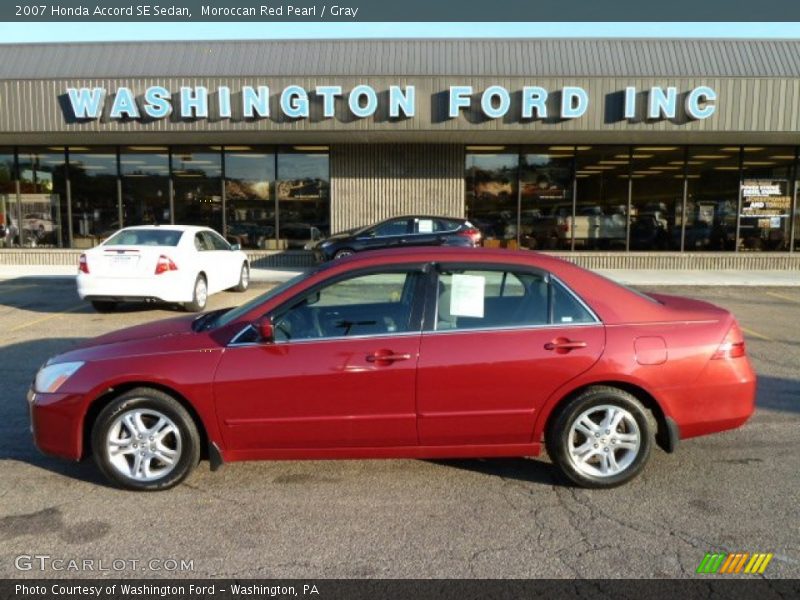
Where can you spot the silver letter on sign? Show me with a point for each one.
(701, 95)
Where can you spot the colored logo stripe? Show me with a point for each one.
(724, 563)
(758, 563)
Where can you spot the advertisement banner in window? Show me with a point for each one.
(765, 198)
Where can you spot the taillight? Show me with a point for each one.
(165, 264)
(732, 346)
(83, 265)
(473, 234)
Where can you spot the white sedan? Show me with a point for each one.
(167, 263)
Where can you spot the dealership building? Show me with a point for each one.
(614, 153)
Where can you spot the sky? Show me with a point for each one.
(88, 32)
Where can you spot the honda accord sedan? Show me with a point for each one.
(415, 353)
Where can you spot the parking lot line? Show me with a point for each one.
(47, 318)
(755, 334)
(783, 297)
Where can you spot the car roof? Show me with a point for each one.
(612, 302)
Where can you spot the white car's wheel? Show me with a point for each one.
(199, 295)
(244, 279)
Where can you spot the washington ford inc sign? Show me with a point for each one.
(362, 101)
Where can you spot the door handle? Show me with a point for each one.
(386, 357)
(564, 345)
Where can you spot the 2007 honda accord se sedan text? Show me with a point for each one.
(422, 353)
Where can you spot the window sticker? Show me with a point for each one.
(425, 225)
(466, 295)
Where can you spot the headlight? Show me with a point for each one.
(51, 377)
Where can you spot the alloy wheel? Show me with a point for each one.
(143, 444)
(603, 441)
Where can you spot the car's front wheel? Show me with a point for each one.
(199, 295)
(601, 438)
(343, 253)
(145, 440)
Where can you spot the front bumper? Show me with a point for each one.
(57, 424)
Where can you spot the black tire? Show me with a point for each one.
(147, 399)
(559, 435)
(104, 306)
(342, 253)
(244, 279)
(198, 302)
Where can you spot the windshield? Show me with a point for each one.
(145, 237)
(233, 314)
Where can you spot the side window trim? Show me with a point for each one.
(431, 311)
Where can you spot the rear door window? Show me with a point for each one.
(488, 299)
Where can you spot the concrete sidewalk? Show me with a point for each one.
(627, 276)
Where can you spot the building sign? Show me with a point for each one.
(767, 199)
(363, 101)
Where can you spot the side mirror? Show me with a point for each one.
(266, 330)
(236, 246)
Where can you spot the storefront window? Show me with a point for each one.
(491, 188)
(43, 201)
(601, 216)
(303, 190)
(197, 182)
(546, 177)
(249, 197)
(93, 185)
(766, 204)
(145, 185)
(657, 178)
(9, 216)
(712, 198)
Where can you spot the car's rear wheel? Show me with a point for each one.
(199, 295)
(104, 306)
(342, 253)
(601, 438)
(244, 279)
(145, 440)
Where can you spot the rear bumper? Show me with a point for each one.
(56, 424)
(723, 398)
(167, 287)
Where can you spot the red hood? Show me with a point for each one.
(157, 329)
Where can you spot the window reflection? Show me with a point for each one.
(93, 184)
(712, 198)
(249, 197)
(43, 202)
(767, 179)
(546, 176)
(657, 197)
(303, 190)
(145, 184)
(9, 217)
(491, 180)
(197, 181)
(602, 198)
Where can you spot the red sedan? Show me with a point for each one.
(423, 353)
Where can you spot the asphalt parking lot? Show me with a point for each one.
(737, 491)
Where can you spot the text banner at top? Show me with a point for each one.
(404, 11)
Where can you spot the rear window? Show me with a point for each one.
(145, 237)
